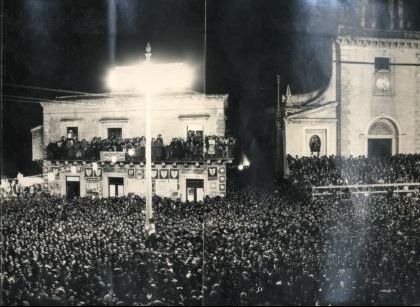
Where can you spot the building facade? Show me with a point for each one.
(96, 164)
(371, 106)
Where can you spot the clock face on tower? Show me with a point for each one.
(383, 83)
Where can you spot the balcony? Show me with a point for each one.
(192, 149)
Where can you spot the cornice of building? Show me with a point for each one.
(95, 100)
(363, 41)
(300, 111)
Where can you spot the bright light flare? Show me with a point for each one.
(245, 161)
(151, 78)
(244, 164)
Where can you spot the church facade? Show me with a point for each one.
(371, 106)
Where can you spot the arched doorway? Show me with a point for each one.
(382, 138)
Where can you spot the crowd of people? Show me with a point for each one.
(263, 249)
(15, 189)
(254, 247)
(333, 170)
(194, 147)
(95, 252)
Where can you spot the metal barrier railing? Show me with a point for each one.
(379, 188)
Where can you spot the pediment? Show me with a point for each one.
(326, 111)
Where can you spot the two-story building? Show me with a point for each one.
(94, 145)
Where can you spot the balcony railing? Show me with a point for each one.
(133, 150)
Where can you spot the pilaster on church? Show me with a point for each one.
(390, 18)
(417, 112)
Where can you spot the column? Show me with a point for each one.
(363, 13)
(112, 30)
(148, 165)
(391, 14)
(373, 13)
(401, 14)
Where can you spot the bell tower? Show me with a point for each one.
(377, 43)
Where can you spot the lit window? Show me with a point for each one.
(114, 133)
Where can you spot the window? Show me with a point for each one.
(114, 133)
(72, 132)
(381, 64)
(194, 129)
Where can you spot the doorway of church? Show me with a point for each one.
(72, 187)
(116, 186)
(195, 190)
(379, 148)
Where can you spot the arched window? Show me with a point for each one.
(381, 128)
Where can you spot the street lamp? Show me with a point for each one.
(150, 79)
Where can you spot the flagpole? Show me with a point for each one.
(278, 128)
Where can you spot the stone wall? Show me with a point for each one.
(298, 134)
(37, 143)
(133, 175)
(171, 114)
(361, 106)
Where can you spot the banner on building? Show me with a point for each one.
(112, 156)
(163, 174)
(98, 172)
(140, 174)
(212, 173)
(174, 174)
(154, 173)
(88, 172)
(131, 173)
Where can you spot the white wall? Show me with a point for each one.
(137, 186)
(360, 107)
(297, 143)
(170, 116)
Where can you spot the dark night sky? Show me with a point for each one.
(64, 44)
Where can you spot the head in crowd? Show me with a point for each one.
(261, 247)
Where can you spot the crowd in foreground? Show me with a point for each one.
(194, 147)
(255, 247)
(334, 170)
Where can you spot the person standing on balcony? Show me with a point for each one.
(211, 147)
(70, 134)
(142, 147)
(159, 147)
